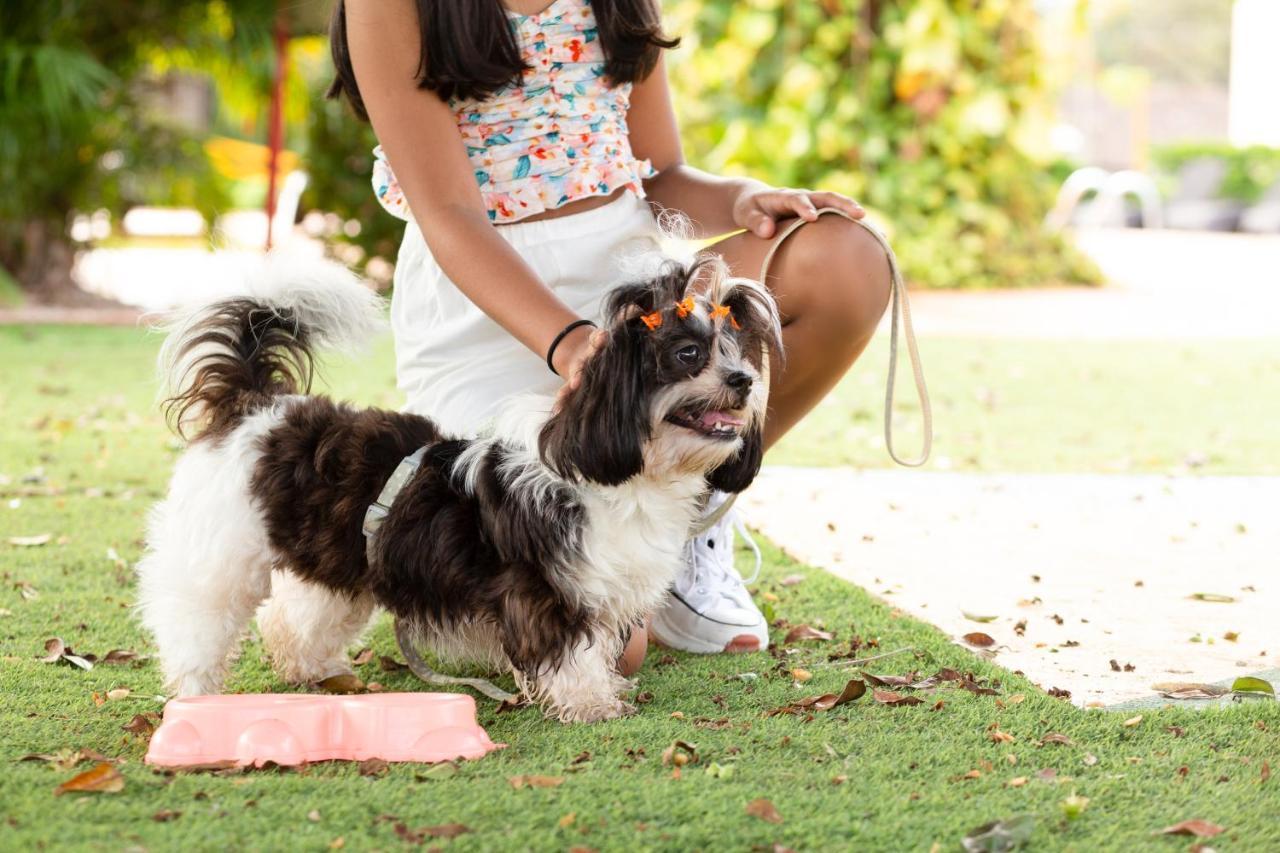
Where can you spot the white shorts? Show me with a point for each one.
(455, 364)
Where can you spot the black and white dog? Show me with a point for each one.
(535, 547)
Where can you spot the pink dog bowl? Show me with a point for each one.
(294, 729)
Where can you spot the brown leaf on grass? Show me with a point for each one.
(855, 689)
(888, 697)
(166, 815)
(102, 778)
(120, 656)
(389, 664)
(1266, 771)
(142, 724)
(445, 830)
(1198, 828)
(680, 752)
(979, 639)
(891, 680)
(1132, 721)
(801, 633)
(792, 580)
(363, 656)
(66, 759)
(341, 684)
(1189, 690)
(1059, 693)
(56, 650)
(764, 810)
(998, 736)
(374, 767)
(1057, 738)
(535, 781)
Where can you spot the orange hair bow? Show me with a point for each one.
(684, 307)
(653, 320)
(719, 312)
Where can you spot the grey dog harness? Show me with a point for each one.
(374, 517)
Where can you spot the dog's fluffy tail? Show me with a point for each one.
(224, 359)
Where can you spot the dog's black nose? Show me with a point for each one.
(739, 381)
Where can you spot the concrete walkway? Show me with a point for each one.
(1078, 570)
(1161, 284)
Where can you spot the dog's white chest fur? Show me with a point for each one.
(633, 544)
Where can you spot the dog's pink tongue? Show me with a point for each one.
(712, 419)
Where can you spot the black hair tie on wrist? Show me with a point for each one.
(551, 351)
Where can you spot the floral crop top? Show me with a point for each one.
(557, 136)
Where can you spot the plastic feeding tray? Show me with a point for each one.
(291, 729)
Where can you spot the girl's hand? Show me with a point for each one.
(759, 210)
(571, 355)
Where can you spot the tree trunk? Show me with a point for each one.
(44, 265)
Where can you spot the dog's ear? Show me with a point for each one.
(737, 473)
(756, 314)
(600, 430)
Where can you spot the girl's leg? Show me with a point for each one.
(831, 280)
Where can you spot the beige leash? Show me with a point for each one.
(901, 309)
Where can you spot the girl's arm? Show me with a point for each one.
(421, 140)
(715, 205)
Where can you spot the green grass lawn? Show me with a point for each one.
(83, 454)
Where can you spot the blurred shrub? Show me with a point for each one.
(927, 112)
(1251, 170)
(340, 164)
(931, 113)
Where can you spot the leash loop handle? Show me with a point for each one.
(900, 306)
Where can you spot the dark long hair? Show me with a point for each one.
(469, 50)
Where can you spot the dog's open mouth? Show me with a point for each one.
(713, 424)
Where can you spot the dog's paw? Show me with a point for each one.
(596, 712)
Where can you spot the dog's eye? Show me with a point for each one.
(689, 354)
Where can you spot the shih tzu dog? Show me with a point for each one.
(535, 547)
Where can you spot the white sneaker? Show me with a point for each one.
(709, 609)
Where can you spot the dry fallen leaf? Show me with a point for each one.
(1198, 828)
(445, 830)
(679, 753)
(362, 657)
(374, 767)
(1132, 721)
(1211, 596)
(855, 689)
(801, 633)
(166, 815)
(118, 693)
(1056, 737)
(519, 782)
(341, 684)
(102, 778)
(30, 541)
(792, 580)
(764, 810)
(888, 697)
(801, 675)
(120, 656)
(980, 640)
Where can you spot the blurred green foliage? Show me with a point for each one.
(932, 113)
(1251, 170)
(81, 125)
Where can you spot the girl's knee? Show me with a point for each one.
(845, 271)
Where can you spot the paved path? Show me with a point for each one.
(1161, 284)
(1099, 568)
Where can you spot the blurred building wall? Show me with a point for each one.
(1255, 73)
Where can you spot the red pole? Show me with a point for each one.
(275, 127)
